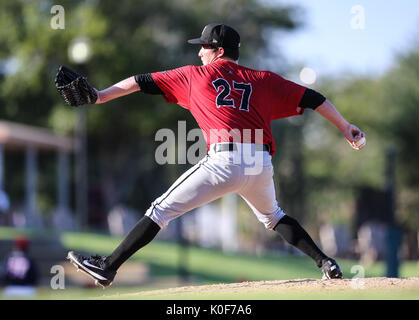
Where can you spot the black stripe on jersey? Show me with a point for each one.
(174, 187)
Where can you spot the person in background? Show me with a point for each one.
(20, 271)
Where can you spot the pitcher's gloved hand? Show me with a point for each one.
(74, 88)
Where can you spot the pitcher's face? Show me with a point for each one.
(208, 54)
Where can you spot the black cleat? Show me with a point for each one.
(93, 266)
(331, 269)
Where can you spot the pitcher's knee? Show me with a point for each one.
(271, 220)
(162, 216)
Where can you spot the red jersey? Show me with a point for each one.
(231, 102)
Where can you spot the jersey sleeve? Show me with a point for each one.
(175, 85)
(286, 97)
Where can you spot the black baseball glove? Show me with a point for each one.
(74, 88)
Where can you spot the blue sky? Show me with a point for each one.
(329, 44)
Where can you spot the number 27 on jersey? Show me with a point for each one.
(222, 99)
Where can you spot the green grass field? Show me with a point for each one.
(213, 266)
(207, 266)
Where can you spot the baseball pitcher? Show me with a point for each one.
(234, 106)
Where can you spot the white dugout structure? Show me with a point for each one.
(30, 140)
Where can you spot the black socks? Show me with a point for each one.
(294, 234)
(141, 234)
(146, 229)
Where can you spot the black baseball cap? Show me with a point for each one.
(218, 35)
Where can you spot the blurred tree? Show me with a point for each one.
(30, 52)
(400, 101)
(333, 169)
(386, 109)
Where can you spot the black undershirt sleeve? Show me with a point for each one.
(311, 99)
(147, 84)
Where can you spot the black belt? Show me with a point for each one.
(218, 147)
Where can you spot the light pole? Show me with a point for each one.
(79, 53)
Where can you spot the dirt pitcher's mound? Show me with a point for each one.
(282, 286)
